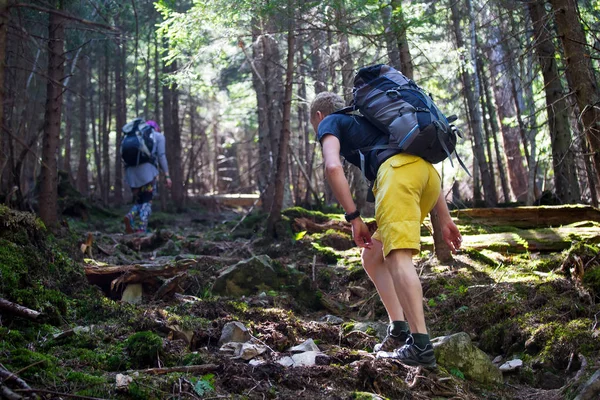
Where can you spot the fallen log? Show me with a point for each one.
(19, 310)
(536, 240)
(199, 369)
(310, 226)
(527, 217)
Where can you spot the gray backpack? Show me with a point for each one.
(400, 108)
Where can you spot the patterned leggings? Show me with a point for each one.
(142, 207)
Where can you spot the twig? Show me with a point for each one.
(190, 368)
(73, 396)
(66, 16)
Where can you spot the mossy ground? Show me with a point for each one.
(537, 307)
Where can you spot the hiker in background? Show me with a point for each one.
(143, 152)
(406, 189)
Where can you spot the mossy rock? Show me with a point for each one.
(262, 274)
(337, 240)
(316, 216)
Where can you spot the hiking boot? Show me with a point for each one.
(128, 224)
(411, 354)
(392, 342)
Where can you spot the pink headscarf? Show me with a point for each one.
(154, 125)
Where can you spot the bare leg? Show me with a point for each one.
(408, 287)
(373, 263)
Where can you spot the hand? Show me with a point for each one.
(169, 183)
(451, 235)
(361, 234)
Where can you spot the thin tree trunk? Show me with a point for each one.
(174, 149)
(399, 27)
(99, 184)
(391, 42)
(495, 128)
(472, 91)
(106, 106)
(579, 72)
(49, 178)
(157, 69)
(280, 176)
(4, 17)
(120, 114)
(82, 167)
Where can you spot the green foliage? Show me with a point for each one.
(457, 372)
(204, 385)
(144, 348)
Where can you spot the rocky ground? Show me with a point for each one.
(205, 306)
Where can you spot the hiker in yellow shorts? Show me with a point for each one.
(406, 189)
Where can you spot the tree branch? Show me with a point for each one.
(66, 16)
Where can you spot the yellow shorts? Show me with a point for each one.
(406, 189)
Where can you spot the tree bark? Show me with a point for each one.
(120, 114)
(391, 42)
(49, 177)
(563, 159)
(472, 92)
(103, 132)
(579, 72)
(281, 172)
(173, 138)
(399, 27)
(82, 166)
(4, 17)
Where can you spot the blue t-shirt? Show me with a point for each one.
(354, 133)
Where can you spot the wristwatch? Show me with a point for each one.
(351, 216)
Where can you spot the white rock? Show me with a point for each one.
(306, 359)
(286, 361)
(308, 345)
(511, 365)
(132, 293)
(122, 381)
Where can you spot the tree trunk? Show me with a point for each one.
(104, 133)
(563, 160)
(472, 91)
(495, 128)
(391, 42)
(49, 177)
(120, 114)
(174, 148)
(579, 72)
(399, 27)
(3, 28)
(82, 167)
(157, 69)
(280, 175)
(505, 106)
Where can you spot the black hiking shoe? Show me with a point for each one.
(411, 354)
(392, 342)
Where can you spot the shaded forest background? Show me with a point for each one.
(229, 82)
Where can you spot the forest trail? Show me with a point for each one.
(166, 339)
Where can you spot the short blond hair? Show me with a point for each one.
(326, 102)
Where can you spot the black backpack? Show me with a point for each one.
(138, 143)
(400, 108)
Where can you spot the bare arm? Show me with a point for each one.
(341, 189)
(450, 232)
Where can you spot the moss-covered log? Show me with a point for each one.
(542, 240)
(528, 217)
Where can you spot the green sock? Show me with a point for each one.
(398, 327)
(421, 340)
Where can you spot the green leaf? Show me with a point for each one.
(299, 235)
